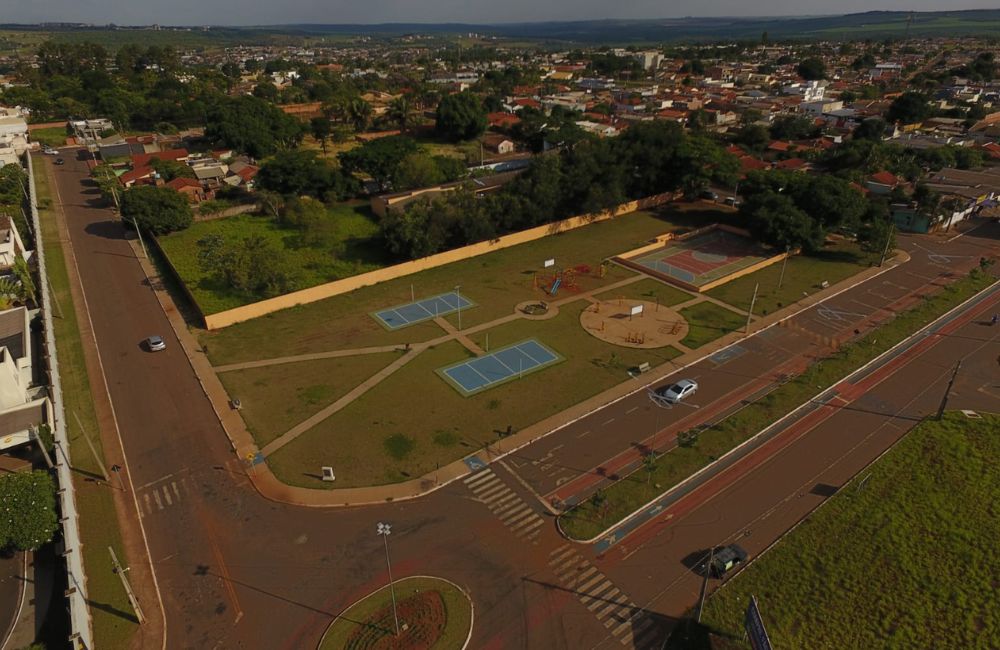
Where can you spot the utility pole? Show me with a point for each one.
(947, 391)
(753, 301)
(117, 568)
(888, 238)
(384, 530)
(781, 278)
(704, 583)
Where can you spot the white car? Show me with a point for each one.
(674, 393)
(156, 344)
(49, 151)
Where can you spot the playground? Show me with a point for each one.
(704, 260)
(634, 323)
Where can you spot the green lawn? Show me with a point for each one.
(457, 607)
(907, 561)
(708, 321)
(652, 290)
(804, 274)
(414, 421)
(54, 136)
(627, 495)
(354, 248)
(496, 282)
(98, 519)
(276, 398)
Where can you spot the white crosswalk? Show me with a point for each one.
(159, 497)
(624, 619)
(503, 502)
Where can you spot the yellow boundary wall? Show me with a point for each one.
(346, 285)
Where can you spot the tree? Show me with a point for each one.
(812, 69)
(908, 108)
(158, 210)
(417, 170)
(171, 169)
(401, 112)
(25, 280)
(755, 137)
(359, 114)
(302, 172)
(793, 127)
(321, 129)
(311, 217)
(28, 513)
(252, 126)
(872, 128)
(774, 219)
(251, 265)
(461, 116)
(379, 158)
(876, 232)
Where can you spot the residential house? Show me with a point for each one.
(11, 245)
(189, 187)
(883, 182)
(498, 144)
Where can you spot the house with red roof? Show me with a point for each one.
(189, 187)
(882, 182)
(502, 120)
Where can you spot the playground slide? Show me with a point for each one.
(555, 286)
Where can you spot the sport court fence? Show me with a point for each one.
(80, 622)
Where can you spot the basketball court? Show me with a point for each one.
(702, 259)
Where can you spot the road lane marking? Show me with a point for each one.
(156, 497)
(632, 410)
(604, 424)
(166, 496)
(583, 434)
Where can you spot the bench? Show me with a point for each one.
(642, 367)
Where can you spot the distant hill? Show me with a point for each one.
(872, 24)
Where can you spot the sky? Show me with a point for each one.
(276, 12)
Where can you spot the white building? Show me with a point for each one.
(809, 91)
(23, 406)
(13, 135)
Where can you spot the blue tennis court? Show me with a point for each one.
(475, 375)
(421, 310)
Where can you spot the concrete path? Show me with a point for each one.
(459, 336)
(315, 356)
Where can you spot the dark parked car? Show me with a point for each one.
(725, 558)
(60, 161)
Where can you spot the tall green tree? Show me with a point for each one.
(812, 69)
(252, 126)
(158, 210)
(379, 158)
(461, 116)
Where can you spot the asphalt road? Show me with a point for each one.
(235, 570)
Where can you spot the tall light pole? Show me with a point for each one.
(458, 292)
(383, 530)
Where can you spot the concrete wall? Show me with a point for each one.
(227, 212)
(337, 287)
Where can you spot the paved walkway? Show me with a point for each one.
(332, 354)
(270, 487)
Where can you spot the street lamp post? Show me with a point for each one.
(458, 293)
(383, 530)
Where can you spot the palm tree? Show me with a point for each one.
(22, 272)
(400, 111)
(359, 113)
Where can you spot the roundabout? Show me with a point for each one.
(434, 614)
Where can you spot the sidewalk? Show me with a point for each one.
(270, 487)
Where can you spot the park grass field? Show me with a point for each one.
(275, 398)
(707, 322)
(414, 421)
(803, 275)
(354, 248)
(496, 282)
(651, 290)
(906, 561)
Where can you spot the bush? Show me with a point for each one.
(27, 510)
